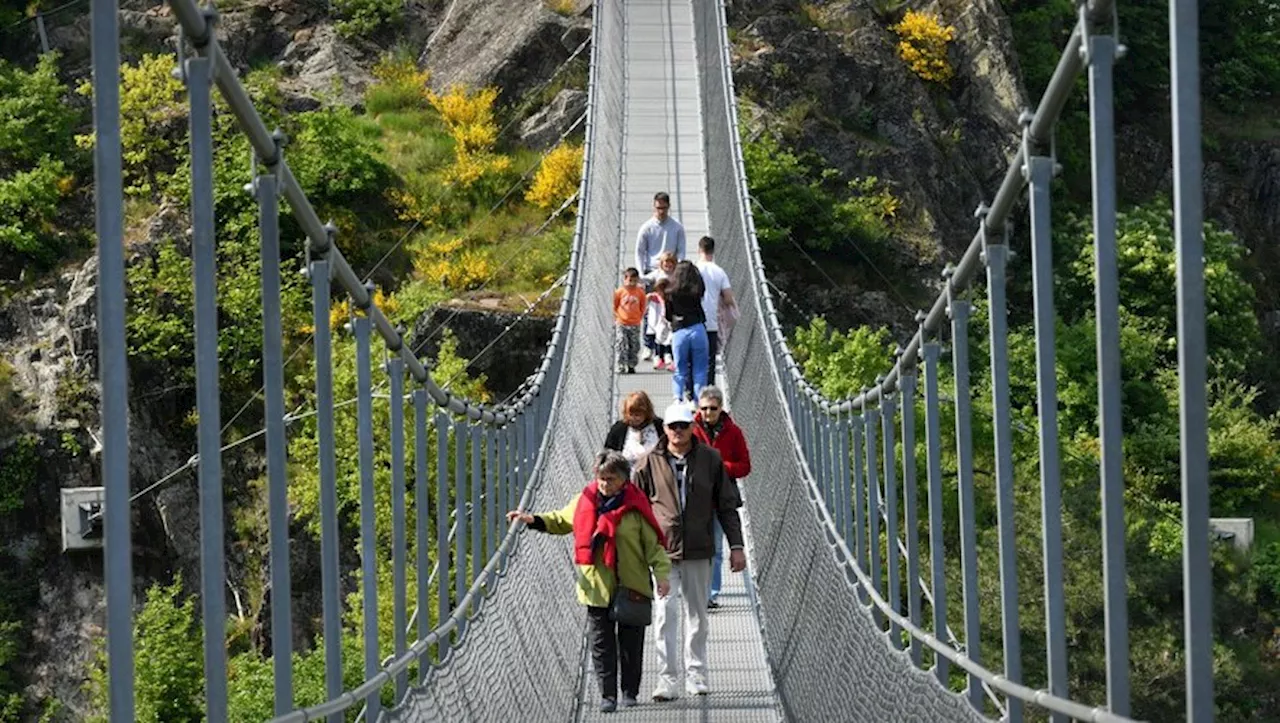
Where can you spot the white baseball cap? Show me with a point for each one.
(678, 412)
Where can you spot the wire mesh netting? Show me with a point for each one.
(829, 659)
(523, 656)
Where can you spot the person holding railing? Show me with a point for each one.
(617, 544)
(686, 483)
(713, 427)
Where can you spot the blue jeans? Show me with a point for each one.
(691, 354)
(718, 559)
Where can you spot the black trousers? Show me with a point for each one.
(612, 644)
(713, 341)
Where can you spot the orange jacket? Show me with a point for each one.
(628, 305)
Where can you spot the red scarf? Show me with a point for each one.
(587, 523)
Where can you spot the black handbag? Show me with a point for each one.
(631, 608)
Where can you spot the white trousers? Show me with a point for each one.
(690, 586)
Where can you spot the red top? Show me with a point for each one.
(587, 523)
(729, 442)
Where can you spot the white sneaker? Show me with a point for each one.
(665, 691)
(695, 686)
(646, 354)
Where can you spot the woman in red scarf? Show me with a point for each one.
(619, 548)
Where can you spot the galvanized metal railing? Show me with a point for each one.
(847, 447)
(496, 450)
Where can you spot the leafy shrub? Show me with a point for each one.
(842, 364)
(799, 199)
(28, 209)
(1146, 258)
(35, 120)
(558, 177)
(337, 159)
(401, 85)
(362, 18)
(18, 473)
(152, 109)
(168, 661)
(922, 45)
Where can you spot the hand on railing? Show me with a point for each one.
(521, 515)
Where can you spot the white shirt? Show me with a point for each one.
(716, 281)
(639, 442)
(654, 238)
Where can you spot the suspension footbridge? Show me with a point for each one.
(844, 612)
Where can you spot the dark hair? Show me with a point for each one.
(686, 280)
(661, 285)
(630, 272)
(613, 464)
(662, 196)
(707, 244)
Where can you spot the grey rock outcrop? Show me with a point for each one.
(505, 366)
(514, 46)
(544, 129)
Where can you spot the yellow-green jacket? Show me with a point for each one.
(638, 551)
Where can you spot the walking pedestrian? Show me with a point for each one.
(688, 331)
(658, 329)
(658, 234)
(713, 427)
(618, 544)
(688, 487)
(718, 296)
(628, 314)
(639, 429)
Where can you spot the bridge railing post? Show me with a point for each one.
(399, 544)
(888, 410)
(368, 531)
(958, 310)
(937, 544)
(995, 256)
(1188, 229)
(421, 519)
(910, 520)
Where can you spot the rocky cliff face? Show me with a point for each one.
(831, 79)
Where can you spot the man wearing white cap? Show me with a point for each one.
(688, 488)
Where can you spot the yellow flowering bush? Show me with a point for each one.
(470, 121)
(922, 45)
(558, 177)
(443, 261)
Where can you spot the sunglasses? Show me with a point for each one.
(678, 426)
(709, 409)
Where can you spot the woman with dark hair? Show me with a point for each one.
(638, 431)
(685, 289)
(617, 543)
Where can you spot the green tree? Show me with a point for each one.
(168, 661)
(840, 364)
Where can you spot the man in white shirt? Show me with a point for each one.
(658, 234)
(717, 294)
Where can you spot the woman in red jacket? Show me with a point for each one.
(713, 426)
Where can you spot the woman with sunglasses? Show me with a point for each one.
(713, 427)
(617, 544)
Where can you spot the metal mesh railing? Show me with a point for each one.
(862, 485)
(486, 460)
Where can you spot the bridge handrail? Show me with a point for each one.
(821, 425)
